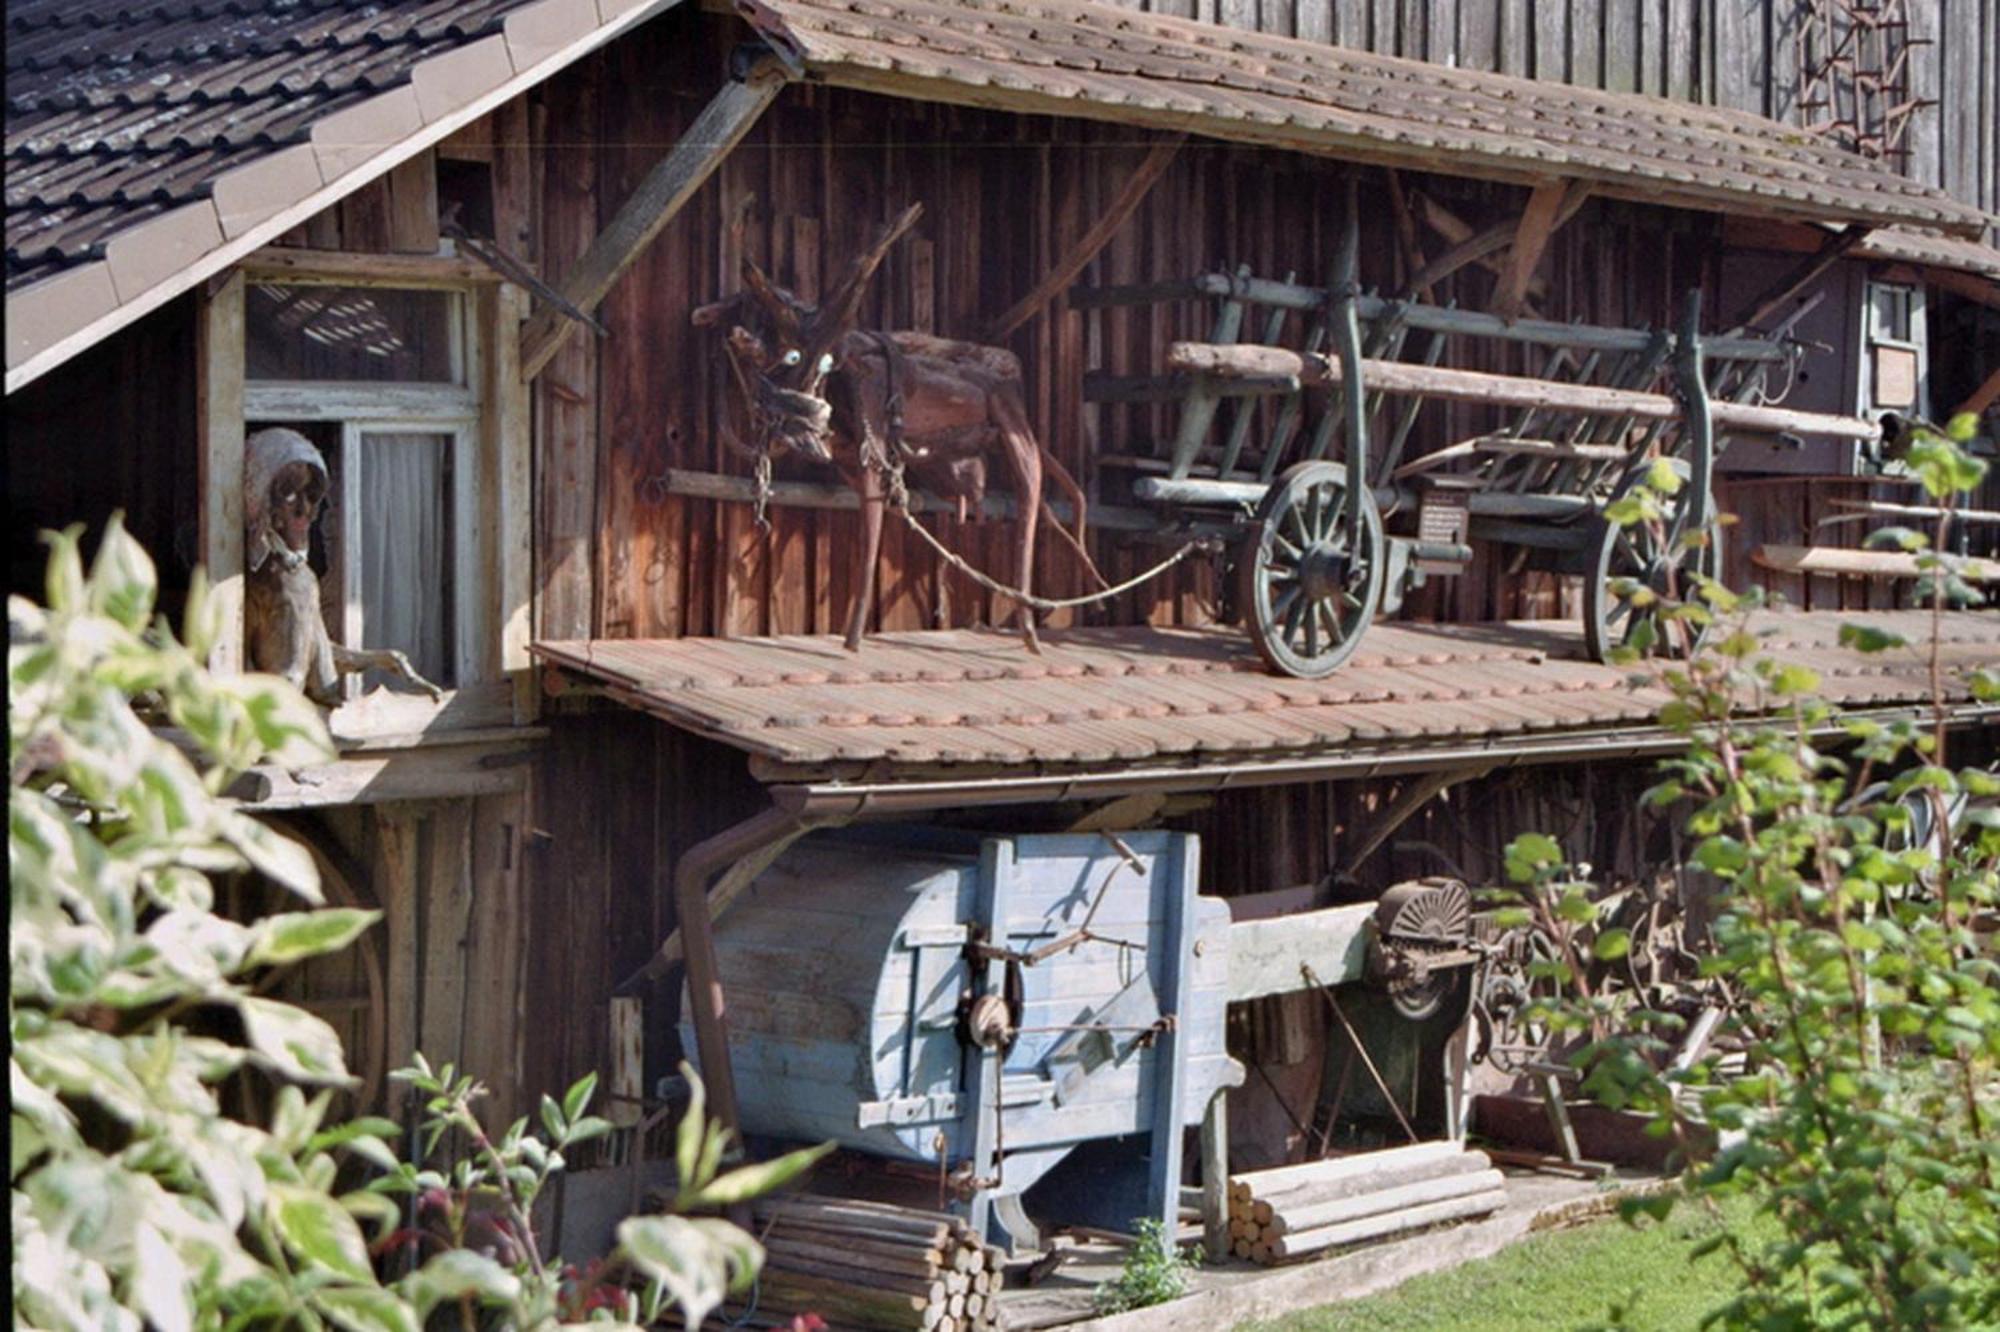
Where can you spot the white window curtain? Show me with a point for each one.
(405, 525)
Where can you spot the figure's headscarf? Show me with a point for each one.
(265, 454)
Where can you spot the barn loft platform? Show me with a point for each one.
(1105, 709)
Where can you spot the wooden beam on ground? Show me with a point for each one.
(1859, 563)
(1800, 276)
(1135, 190)
(1244, 361)
(1539, 220)
(666, 188)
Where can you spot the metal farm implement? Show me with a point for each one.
(1256, 458)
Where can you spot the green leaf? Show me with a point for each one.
(274, 855)
(366, 1309)
(293, 1041)
(578, 1096)
(754, 1181)
(1902, 538)
(1868, 638)
(455, 1274)
(1962, 428)
(1531, 853)
(1575, 906)
(319, 1231)
(693, 1128)
(160, 1282)
(1661, 476)
(697, 1260)
(1612, 945)
(122, 579)
(293, 936)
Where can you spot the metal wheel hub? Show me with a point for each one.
(1323, 571)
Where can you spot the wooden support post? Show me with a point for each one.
(669, 185)
(1215, 1175)
(1135, 190)
(628, 1061)
(1539, 221)
(1174, 977)
(219, 366)
(1800, 276)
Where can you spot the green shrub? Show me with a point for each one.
(1867, 1122)
(1155, 1272)
(136, 1201)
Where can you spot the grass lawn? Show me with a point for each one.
(1561, 1280)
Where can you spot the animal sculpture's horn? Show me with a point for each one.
(838, 316)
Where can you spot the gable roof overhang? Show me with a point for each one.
(1096, 61)
(148, 150)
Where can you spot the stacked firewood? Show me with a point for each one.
(874, 1265)
(1280, 1215)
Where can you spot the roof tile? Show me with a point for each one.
(1098, 696)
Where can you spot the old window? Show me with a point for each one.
(387, 376)
(1893, 352)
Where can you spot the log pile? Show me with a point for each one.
(873, 1265)
(1281, 1215)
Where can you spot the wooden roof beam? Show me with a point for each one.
(1548, 208)
(1801, 276)
(666, 188)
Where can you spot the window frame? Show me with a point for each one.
(487, 417)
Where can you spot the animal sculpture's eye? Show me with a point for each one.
(792, 357)
(825, 362)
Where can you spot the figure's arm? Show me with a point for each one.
(353, 661)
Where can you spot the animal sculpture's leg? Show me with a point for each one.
(873, 503)
(1025, 455)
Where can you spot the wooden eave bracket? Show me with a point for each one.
(665, 190)
(1548, 208)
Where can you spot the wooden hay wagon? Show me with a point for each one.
(1260, 460)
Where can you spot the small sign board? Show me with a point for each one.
(1442, 517)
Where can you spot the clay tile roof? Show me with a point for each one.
(920, 702)
(1073, 57)
(113, 106)
(180, 129)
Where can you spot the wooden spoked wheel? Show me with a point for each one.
(1631, 561)
(1309, 589)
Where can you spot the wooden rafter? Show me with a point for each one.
(1484, 244)
(1137, 187)
(1802, 275)
(1539, 220)
(666, 188)
(1982, 397)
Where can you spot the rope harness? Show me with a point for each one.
(887, 455)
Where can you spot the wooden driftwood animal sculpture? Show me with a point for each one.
(873, 404)
(284, 630)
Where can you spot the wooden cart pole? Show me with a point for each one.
(1700, 420)
(1347, 329)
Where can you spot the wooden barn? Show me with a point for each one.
(485, 265)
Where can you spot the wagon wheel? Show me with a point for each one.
(1307, 593)
(1644, 556)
